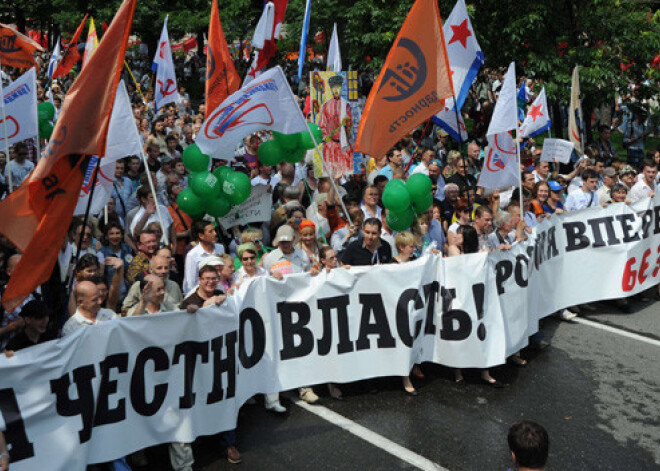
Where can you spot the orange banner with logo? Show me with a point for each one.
(17, 50)
(411, 86)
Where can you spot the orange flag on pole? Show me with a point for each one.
(71, 55)
(411, 86)
(221, 77)
(36, 216)
(17, 50)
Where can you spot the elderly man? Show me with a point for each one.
(604, 193)
(285, 259)
(151, 297)
(89, 311)
(147, 244)
(159, 266)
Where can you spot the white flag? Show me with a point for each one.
(265, 103)
(537, 120)
(122, 141)
(334, 55)
(505, 114)
(55, 59)
(20, 102)
(166, 88)
(500, 167)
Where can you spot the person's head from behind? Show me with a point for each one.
(470, 238)
(529, 444)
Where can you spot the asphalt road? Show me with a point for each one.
(596, 391)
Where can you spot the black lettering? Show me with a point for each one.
(456, 324)
(292, 330)
(656, 213)
(326, 305)
(104, 413)
(552, 244)
(190, 350)
(17, 440)
(607, 222)
(503, 271)
(431, 292)
(223, 365)
(522, 264)
(83, 405)
(380, 327)
(626, 224)
(575, 237)
(539, 249)
(403, 317)
(138, 389)
(258, 338)
(647, 218)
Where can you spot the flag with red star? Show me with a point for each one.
(537, 120)
(463, 51)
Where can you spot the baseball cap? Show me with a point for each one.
(609, 172)
(284, 234)
(554, 186)
(212, 261)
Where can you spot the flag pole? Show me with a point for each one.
(519, 162)
(4, 126)
(581, 116)
(460, 145)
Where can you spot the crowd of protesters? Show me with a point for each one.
(130, 261)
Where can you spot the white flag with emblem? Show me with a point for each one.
(123, 140)
(20, 102)
(265, 103)
(166, 90)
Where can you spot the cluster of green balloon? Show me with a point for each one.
(404, 200)
(289, 147)
(213, 193)
(46, 115)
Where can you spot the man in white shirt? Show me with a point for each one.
(18, 168)
(285, 259)
(265, 176)
(204, 232)
(89, 311)
(586, 196)
(645, 188)
(423, 167)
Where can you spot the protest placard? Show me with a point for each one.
(559, 149)
(255, 209)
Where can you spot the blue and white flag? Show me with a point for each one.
(55, 59)
(465, 60)
(303, 38)
(537, 120)
(446, 119)
(166, 90)
(521, 98)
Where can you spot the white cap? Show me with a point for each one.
(284, 234)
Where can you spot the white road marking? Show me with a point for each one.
(372, 437)
(614, 330)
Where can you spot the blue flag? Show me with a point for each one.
(303, 38)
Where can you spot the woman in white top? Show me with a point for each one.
(463, 219)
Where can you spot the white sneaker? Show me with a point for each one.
(567, 315)
(308, 395)
(275, 406)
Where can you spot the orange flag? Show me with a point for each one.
(412, 84)
(36, 216)
(17, 50)
(221, 77)
(71, 55)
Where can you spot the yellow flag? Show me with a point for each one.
(92, 42)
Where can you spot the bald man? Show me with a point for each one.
(151, 298)
(89, 310)
(159, 266)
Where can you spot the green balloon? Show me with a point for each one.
(190, 203)
(221, 173)
(295, 156)
(271, 153)
(46, 111)
(217, 207)
(204, 184)
(45, 130)
(419, 185)
(237, 187)
(287, 142)
(396, 197)
(306, 140)
(402, 220)
(194, 160)
(422, 205)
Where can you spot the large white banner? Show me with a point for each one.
(20, 102)
(126, 384)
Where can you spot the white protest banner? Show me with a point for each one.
(126, 384)
(20, 102)
(257, 208)
(559, 149)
